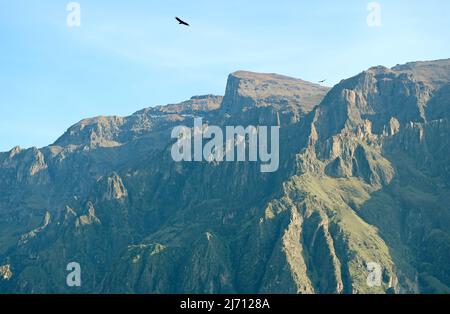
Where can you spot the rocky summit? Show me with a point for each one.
(364, 180)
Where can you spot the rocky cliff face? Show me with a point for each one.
(363, 178)
(248, 93)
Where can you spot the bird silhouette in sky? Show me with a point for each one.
(181, 22)
(322, 81)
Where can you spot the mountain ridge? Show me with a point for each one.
(363, 179)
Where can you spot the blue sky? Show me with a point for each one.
(128, 55)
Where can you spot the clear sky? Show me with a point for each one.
(127, 55)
